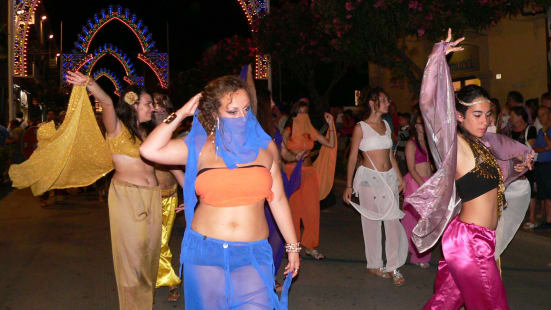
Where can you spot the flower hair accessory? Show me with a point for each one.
(131, 98)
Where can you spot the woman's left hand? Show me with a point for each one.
(328, 118)
(452, 47)
(189, 108)
(401, 186)
(294, 264)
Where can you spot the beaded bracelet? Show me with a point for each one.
(293, 247)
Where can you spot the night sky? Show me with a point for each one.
(192, 26)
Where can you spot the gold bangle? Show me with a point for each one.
(87, 81)
(170, 118)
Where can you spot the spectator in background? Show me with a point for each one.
(543, 164)
(514, 99)
(525, 134)
(14, 143)
(532, 106)
(403, 137)
(4, 134)
(51, 115)
(496, 110)
(61, 117)
(36, 110)
(4, 155)
(546, 102)
(23, 123)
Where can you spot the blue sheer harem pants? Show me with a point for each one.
(228, 275)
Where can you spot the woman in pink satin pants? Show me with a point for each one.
(467, 273)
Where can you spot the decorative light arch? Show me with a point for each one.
(255, 10)
(158, 62)
(23, 17)
(112, 77)
(108, 49)
(91, 28)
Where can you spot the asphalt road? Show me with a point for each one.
(60, 258)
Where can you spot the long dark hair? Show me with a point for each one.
(413, 130)
(467, 94)
(210, 100)
(367, 95)
(129, 116)
(302, 102)
(264, 110)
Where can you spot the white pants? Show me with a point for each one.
(396, 244)
(378, 195)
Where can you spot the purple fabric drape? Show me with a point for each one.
(275, 238)
(435, 200)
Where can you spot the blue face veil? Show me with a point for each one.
(238, 141)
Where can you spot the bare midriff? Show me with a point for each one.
(481, 211)
(133, 170)
(380, 158)
(423, 169)
(239, 223)
(165, 179)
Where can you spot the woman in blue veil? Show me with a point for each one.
(233, 166)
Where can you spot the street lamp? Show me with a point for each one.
(42, 19)
(51, 36)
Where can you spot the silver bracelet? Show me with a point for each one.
(293, 247)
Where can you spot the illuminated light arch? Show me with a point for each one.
(112, 77)
(255, 10)
(108, 49)
(157, 61)
(91, 28)
(23, 21)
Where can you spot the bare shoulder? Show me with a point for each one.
(465, 157)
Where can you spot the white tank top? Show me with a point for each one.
(371, 140)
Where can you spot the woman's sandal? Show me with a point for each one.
(173, 293)
(528, 226)
(379, 272)
(315, 254)
(397, 278)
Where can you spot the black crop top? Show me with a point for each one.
(484, 177)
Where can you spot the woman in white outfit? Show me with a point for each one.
(377, 183)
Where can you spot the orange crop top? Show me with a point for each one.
(223, 187)
(123, 144)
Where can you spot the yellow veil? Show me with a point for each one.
(75, 155)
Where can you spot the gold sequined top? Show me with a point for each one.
(123, 144)
(485, 176)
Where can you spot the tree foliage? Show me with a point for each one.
(305, 35)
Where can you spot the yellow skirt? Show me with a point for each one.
(166, 275)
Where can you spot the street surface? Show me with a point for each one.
(59, 257)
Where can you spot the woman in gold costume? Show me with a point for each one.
(134, 196)
(168, 177)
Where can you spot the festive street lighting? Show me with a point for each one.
(42, 19)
